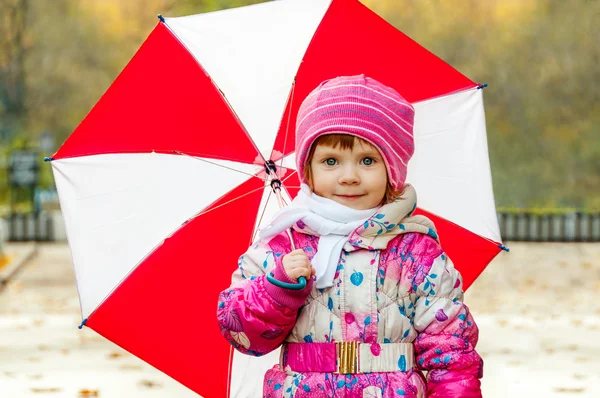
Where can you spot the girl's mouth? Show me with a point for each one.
(350, 197)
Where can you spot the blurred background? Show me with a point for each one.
(539, 322)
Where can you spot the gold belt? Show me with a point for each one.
(347, 357)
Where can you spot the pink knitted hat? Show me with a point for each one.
(362, 107)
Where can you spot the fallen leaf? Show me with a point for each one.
(114, 355)
(88, 393)
(46, 390)
(130, 367)
(560, 389)
(149, 384)
(529, 282)
(4, 260)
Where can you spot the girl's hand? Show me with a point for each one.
(296, 264)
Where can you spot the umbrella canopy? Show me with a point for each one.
(163, 184)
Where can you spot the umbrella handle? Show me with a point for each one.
(302, 280)
(291, 286)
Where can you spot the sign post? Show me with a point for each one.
(23, 173)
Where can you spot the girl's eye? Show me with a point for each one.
(331, 162)
(368, 161)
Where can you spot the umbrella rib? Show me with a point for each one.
(216, 164)
(288, 177)
(226, 203)
(157, 246)
(287, 128)
(233, 112)
(289, 186)
(262, 215)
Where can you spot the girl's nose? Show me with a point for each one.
(349, 175)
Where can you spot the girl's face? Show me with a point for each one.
(355, 177)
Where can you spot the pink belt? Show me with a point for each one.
(347, 357)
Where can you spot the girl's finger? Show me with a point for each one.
(298, 258)
(306, 271)
(299, 273)
(300, 262)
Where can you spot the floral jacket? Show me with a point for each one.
(394, 284)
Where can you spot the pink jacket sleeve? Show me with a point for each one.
(255, 316)
(445, 346)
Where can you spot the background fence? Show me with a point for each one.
(41, 227)
(527, 227)
(535, 227)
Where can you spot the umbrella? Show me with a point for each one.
(166, 180)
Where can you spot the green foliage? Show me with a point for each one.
(539, 58)
(186, 7)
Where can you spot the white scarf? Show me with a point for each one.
(333, 221)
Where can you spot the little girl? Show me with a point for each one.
(383, 302)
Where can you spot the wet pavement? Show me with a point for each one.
(538, 309)
(44, 354)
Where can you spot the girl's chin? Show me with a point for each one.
(356, 203)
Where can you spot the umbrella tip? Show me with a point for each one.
(48, 159)
(484, 85)
(82, 323)
(162, 19)
(506, 249)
